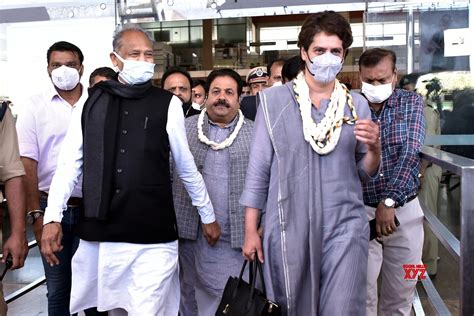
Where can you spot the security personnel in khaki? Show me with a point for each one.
(428, 193)
(11, 175)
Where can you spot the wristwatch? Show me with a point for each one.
(32, 216)
(388, 203)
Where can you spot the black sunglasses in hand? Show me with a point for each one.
(8, 265)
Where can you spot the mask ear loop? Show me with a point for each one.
(306, 63)
(119, 58)
(307, 68)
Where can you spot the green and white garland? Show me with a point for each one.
(324, 136)
(226, 142)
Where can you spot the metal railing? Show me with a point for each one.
(29, 287)
(462, 250)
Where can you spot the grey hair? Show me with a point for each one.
(121, 29)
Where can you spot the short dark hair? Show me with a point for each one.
(198, 82)
(176, 70)
(64, 46)
(291, 68)
(106, 72)
(329, 22)
(225, 72)
(409, 79)
(280, 61)
(373, 56)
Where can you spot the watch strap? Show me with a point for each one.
(34, 215)
(35, 212)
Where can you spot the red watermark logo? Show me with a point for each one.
(414, 271)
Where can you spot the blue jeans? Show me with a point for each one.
(58, 278)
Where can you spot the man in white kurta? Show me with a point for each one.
(127, 260)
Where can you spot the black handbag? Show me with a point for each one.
(241, 298)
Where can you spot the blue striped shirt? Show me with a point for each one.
(402, 132)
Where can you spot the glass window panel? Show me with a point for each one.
(231, 33)
(230, 21)
(179, 35)
(174, 23)
(196, 34)
(284, 37)
(442, 55)
(195, 22)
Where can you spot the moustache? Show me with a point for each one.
(221, 103)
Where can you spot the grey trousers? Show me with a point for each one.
(402, 247)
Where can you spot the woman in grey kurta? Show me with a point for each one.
(315, 240)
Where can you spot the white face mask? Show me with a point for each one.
(65, 78)
(135, 71)
(376, 94)
(196, 106)
(277, 83)
(325, 68)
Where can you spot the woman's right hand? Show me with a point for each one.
(252, 246)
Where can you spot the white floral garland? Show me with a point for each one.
(324, 136)
(226, 142)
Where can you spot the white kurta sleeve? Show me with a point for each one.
(68, 170)
(184, 162)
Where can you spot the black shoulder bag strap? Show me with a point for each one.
(3, 109)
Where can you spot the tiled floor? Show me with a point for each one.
(446, 282)
(32, 304)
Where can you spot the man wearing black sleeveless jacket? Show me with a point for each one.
(127, 260)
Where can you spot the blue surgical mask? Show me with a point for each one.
(135, 71)
(324, 68)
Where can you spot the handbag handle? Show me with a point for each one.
(234, 293)
(255, 269)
